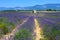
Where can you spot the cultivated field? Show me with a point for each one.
(29, 26)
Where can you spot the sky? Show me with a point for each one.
(25, 3)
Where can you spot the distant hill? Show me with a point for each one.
(36, 7)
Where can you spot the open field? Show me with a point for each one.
(45, 24)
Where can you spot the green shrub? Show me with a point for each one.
(6, 26)
(52, 33)
(23, 34)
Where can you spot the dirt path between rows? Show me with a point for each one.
(11, 35)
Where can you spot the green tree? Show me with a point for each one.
(49, 10)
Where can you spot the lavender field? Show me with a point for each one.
(29, 26)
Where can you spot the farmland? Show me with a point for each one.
(30, 26)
